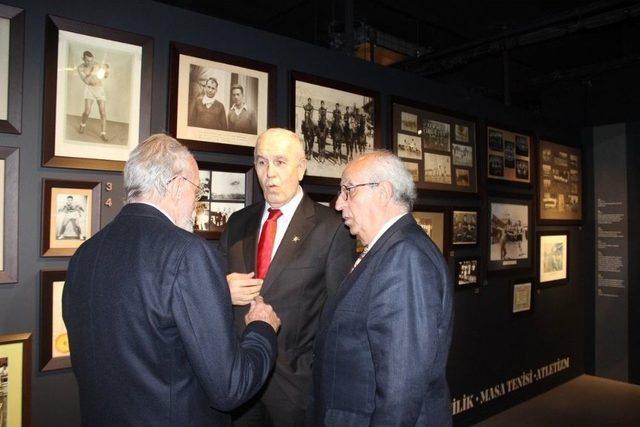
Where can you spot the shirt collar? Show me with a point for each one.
(384, 228)
(289, 208)
(206, 100)
(159, 208)
(238, 110)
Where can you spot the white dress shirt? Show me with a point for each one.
(288, 209)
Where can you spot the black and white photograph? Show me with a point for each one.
(409, 146)
(496, 165)
(467, 272)
(560, 183)
(408, 122)
(462, 133)
(72, 221)
(509, 236)
(4, 391)
(437, 168)
(465, 227)
(201, 222)
(414, 169)
(522, 146)
(508, 155)
(432, 223)
(522, 169)
(462, 177)
(553, 253)
(436, 135)
(462, 155)
(521, 301)
(228, 186)
(219, 213)
(495, 141)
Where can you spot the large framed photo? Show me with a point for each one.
(54, 342)
(510, 234)
(467, 272)
(438, 148)
(70, 215)
(15, 380)
(559, 183)
(219, 102)
(228, 188)
(553, 258)
(336, 121)
(9, 171)
(11, 64)
(522, 296)
(97, 96)
(464, 230)
(508, 155)
(432, 220)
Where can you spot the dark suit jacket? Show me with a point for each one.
(150, 325)
(381, 349)
(315, 254)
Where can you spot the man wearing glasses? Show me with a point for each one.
(293, 252)
(382, 344)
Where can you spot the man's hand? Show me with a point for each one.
(261, 311)
(243, 287)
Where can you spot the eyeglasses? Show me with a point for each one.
(200, 189)
(347, 190)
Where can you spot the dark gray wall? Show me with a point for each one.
(489, 345)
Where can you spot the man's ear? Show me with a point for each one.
(302, 168)
(385, 192)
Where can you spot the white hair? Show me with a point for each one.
(281, 133)
(386, 166)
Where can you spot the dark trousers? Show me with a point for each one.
(269, 409)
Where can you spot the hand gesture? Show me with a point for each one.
(243, 287)
(261, 311)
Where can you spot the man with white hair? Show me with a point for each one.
(382, 344)
(148, 311)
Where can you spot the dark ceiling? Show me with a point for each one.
(513, 50)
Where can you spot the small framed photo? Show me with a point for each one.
(97, 95)
(228, 189)
(508, 155)
(464, 227)
(54, 342)
(467, 272)
(522, 296)
(11, 68)
(432, 220)
(9, 171)
(510, 234)
(553, 253)
(15, 380)
(559, 184)
(70, 215)
(336, 122)
(219, 102)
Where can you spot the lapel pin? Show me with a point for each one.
(295, 239)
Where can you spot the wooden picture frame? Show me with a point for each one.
(15, 351)
(9, 189)
(230, 196)
(559, 184)
(467, 272)
(54, 342)
(510, 231)
(522, 299)
(68, 206)
(434, 221)
(509, 155)
(11, 68)
(212, 126)
(464, 227)
(99, 70)
(312, 98)
(553, 258)
(439, 147)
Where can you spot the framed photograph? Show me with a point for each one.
(9, 171)
(227, 190)
(54, 342)
(70, 215)
(510, 234)
(15, 380)
(553, 261)
(559, 183)
(97, 95)
(432, 221)
(508, 155)
(438, 147)
(219, 102)
(464, 227)
(467, 272)
(11, 68)
(522, 296)
(336, 121)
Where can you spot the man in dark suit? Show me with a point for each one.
(381, 348)
(148, 311)
(307, 257)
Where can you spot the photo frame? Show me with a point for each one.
(510, 232)
(328, 115)
(467, 273)
(559, 183)
(509, 155)
(438, 147)
(522, 296)
(54, 341)
(97, 95)
(11, 68)
(464, 227)
(553, 258)
(15, 375)
(228, 188)
(199, 75)
(433, 221)
(9, 189)
(70, 215)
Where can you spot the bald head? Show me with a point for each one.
(283, 138)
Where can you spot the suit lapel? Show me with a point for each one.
(249, 243)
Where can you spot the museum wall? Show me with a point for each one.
(497, 358)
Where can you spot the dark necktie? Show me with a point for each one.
(265, 245)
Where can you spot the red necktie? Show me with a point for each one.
(265, 245)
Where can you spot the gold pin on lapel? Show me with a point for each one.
(295, 239)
